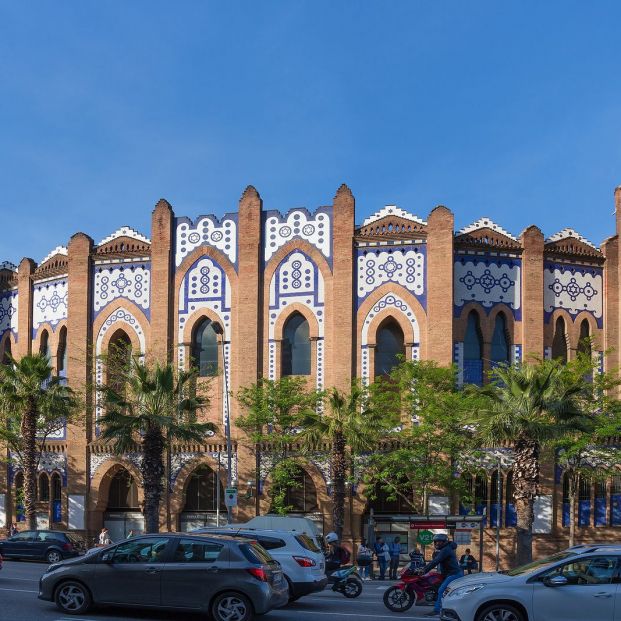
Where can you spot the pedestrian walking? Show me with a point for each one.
(382, 553)
(104, 537)
(364, 560)
(395, 552)
(467, 562)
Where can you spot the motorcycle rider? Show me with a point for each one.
(337, 555)
(445, 557)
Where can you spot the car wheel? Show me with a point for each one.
(72, 598)
(53, 556)
(500, 612)
(230, 606)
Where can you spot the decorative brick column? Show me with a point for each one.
(24, 307)
(532, 292)
(162, 280)
(79, 366)
(341, 315)
(439, 345)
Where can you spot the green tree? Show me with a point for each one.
(350, 426)
(587, 453)
(529, 407)
(33, 405)
(273, 411)
(149, 408)
(422, 454)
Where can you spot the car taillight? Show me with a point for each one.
(67, 547)
(304, 561)
(258, 572)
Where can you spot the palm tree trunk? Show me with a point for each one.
(29, 464)
(339, 467)
(152, 474)
(573, 489)
(525, 485)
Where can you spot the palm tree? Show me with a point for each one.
(33, 405)
(152, 408)
(350, 427)
(528, 407)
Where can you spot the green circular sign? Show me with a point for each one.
(424, 537)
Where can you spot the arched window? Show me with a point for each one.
(601, 493)
(510, 512)
(44, 487)
(383, 502)
(205, 349)
(559, 342)
(496, 501)
(475, 489)
(500, 342)
(301, 496)
(44, 345)
(201, 492)
(119, 360)
(7, 351)
(584, 344)
(584, 502)
(61, 353)
(57, 491)
(390, 346)
(473, 351)
(296, 347)
(123, 492)
(566, 503)
(19, 497)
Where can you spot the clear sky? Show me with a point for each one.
(510, 110)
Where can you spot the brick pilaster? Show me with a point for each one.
(79, 363)
(162, 279)
(440, 286)
(341, 316)
(24, 307)
(532, 292)
(610, 249)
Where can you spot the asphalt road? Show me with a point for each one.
(19, 587)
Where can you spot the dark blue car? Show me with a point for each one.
(46, 545)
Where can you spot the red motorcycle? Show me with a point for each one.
(412, 589)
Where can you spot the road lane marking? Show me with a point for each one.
(350, 614)
(19, 590)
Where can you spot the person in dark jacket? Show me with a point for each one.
(467, 562)
(444, 557)
(395, 550)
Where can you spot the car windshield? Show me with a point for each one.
(542, 563)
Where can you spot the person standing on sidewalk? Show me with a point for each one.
(382, 554)
(364, 560)
(395, 552)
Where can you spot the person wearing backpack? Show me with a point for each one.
(395, 551)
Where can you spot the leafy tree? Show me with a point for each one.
(421, 454)
(587, 453)
(272, 415)
(351, 427)
(529, 407)
(151, 407)
(33, 405)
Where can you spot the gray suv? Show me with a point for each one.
(231, 578)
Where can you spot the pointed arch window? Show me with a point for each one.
(44, 487)
(389, 348)
(301, 496)
(205, 349)
(500, 342)
(44, 346)
(296, 346)
(202, 491)
(559, 342)
(7, 351)
(510, 512)
(61, 353)
(119, 360)
(123, 492)
(57, 490)
(473, 350)
(584, 343)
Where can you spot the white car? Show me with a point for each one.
(302, 562)
(579, 584)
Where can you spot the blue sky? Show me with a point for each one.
(505, 109)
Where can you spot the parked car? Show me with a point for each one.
(292, 523)
(302, 562)
(48, 545)
(577, 584)
(228, 577)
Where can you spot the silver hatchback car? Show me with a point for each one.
(231, 578)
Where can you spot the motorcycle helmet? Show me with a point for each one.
(441, 539)
(332, 538)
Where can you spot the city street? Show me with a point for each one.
(18, 602)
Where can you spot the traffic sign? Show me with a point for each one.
(230, 496)
(425, 537)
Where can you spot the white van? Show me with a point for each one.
(286, 523)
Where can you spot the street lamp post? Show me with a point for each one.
(217, 328)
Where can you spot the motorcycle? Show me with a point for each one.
(347, 581)
(412, 589)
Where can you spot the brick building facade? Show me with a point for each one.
(302, 288)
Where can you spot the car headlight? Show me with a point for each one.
(464, 590)
(53, 567)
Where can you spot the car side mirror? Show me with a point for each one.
(555, 581)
